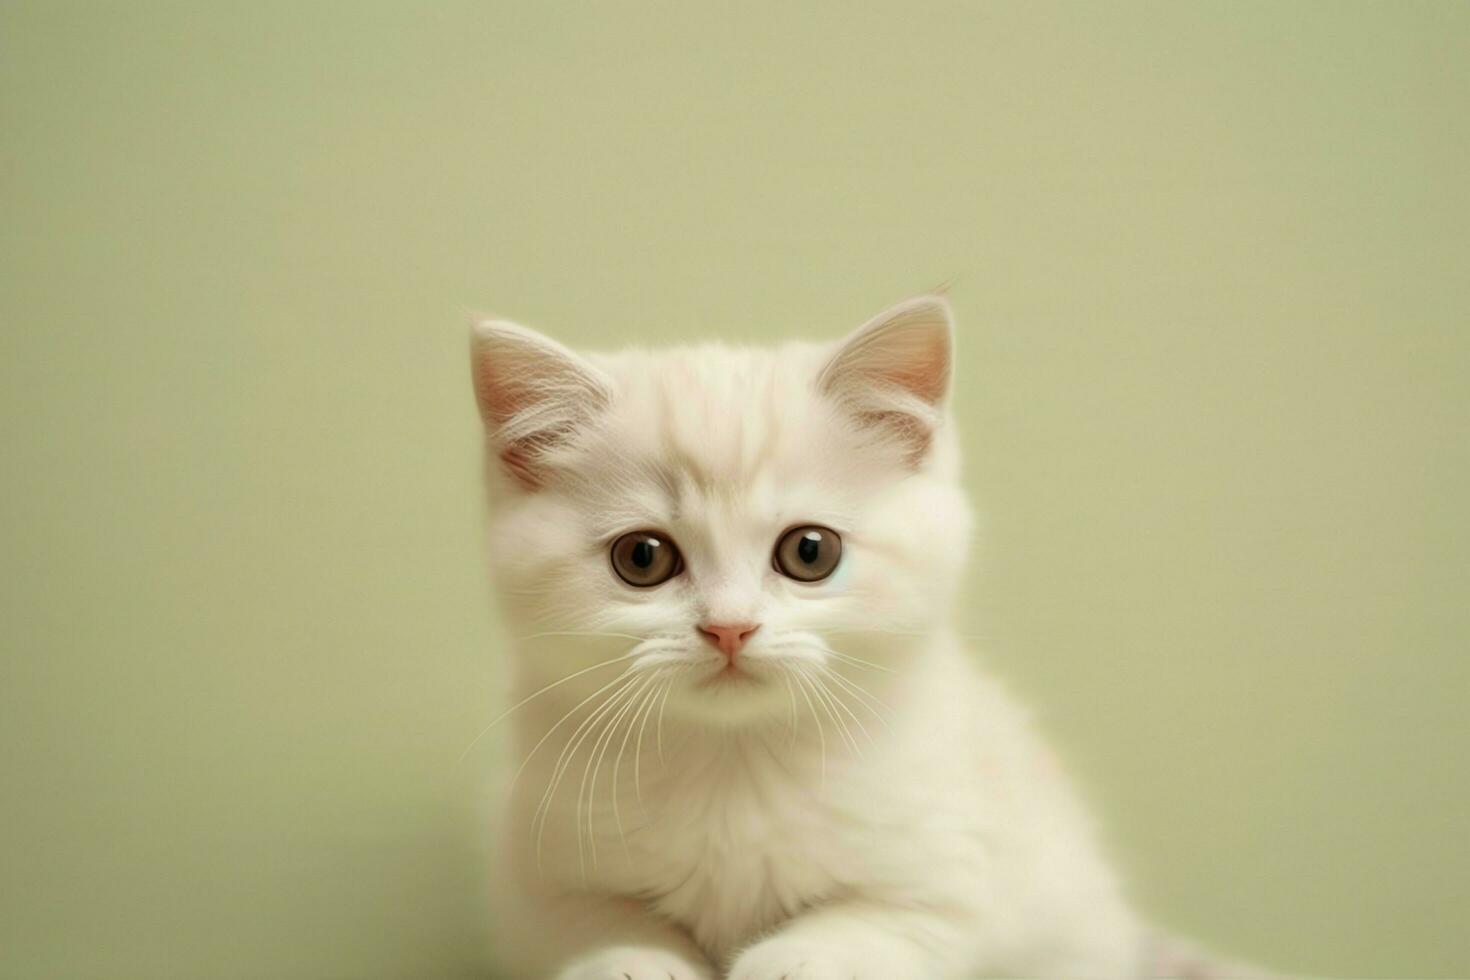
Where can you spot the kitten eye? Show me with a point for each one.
(645, 559)
(808, 553)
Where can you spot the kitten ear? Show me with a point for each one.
(893, 372)
(533, 394)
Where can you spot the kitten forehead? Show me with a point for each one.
(713, 413)
(715, 432)
(736, 429)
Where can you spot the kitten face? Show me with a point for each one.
(735, 518)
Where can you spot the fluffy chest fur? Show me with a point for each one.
(737, 846)
(726, 835)
(946, 801)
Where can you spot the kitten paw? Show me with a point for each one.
(633, 963)
(779, 959)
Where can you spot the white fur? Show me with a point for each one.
(869, 805)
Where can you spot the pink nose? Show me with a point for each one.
(728, 638)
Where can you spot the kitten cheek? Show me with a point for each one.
(841, 578)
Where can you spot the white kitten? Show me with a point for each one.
(753, 746)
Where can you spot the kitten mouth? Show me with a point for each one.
(730, 674)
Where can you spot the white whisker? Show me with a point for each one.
(563, 762)
(824, 698)
(791, 692)
(664, 704)
(841, 702)
(606, 722)
(609, 731)
(855, 661)
(644, 700)
(524, 701)
(620, 636)
(821, 736)
(865, 697)
(638, 753)
(561, 721)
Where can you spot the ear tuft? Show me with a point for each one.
(533, 394)
(893, 372)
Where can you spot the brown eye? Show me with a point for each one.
(808, 553)
(645, 559)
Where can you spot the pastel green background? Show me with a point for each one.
(1212, 265)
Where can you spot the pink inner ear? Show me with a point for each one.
(497, 394)
(907, 348)
(524, 458)
(926, 374)
(918, 436)
(518, 464)
(533, 394)
(499, 399)
(905, 353)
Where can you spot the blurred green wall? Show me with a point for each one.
(1212, 263)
